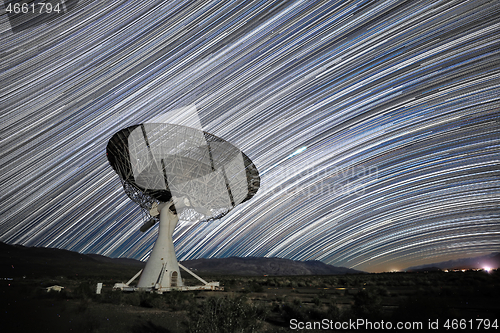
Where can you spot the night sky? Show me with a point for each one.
(374, 125)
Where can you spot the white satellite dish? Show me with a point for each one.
(177, 172)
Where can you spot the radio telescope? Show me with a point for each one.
(177, 173)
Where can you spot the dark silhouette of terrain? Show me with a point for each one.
(247, 304)
(32, 262)
(265, 266)
(17, 260)
(491, 260)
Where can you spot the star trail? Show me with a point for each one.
(374, 125)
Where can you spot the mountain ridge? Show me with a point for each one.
(265, 266)
(491, 260)
(18, 260)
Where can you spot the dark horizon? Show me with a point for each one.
(228, 266)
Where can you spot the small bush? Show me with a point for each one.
(425, 307)
(293, 311)
(85, 290)
(133, 298)
(113, 297)
(382, 291)
(256, 287)
(366, 305)
(226, 315)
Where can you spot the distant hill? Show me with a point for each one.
(425, 269)
(121, 261)
(248, 266)
(17, 260)
(490, 260)
(265, 266)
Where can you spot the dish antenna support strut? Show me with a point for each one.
(162, 269)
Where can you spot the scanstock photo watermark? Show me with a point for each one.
(330, 180)
(363, 324)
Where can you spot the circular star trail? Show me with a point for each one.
(374, 125)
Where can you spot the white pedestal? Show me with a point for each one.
(162, 270)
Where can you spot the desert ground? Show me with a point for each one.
(248, 304)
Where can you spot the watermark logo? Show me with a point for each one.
(29, 14)
(326, 181)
